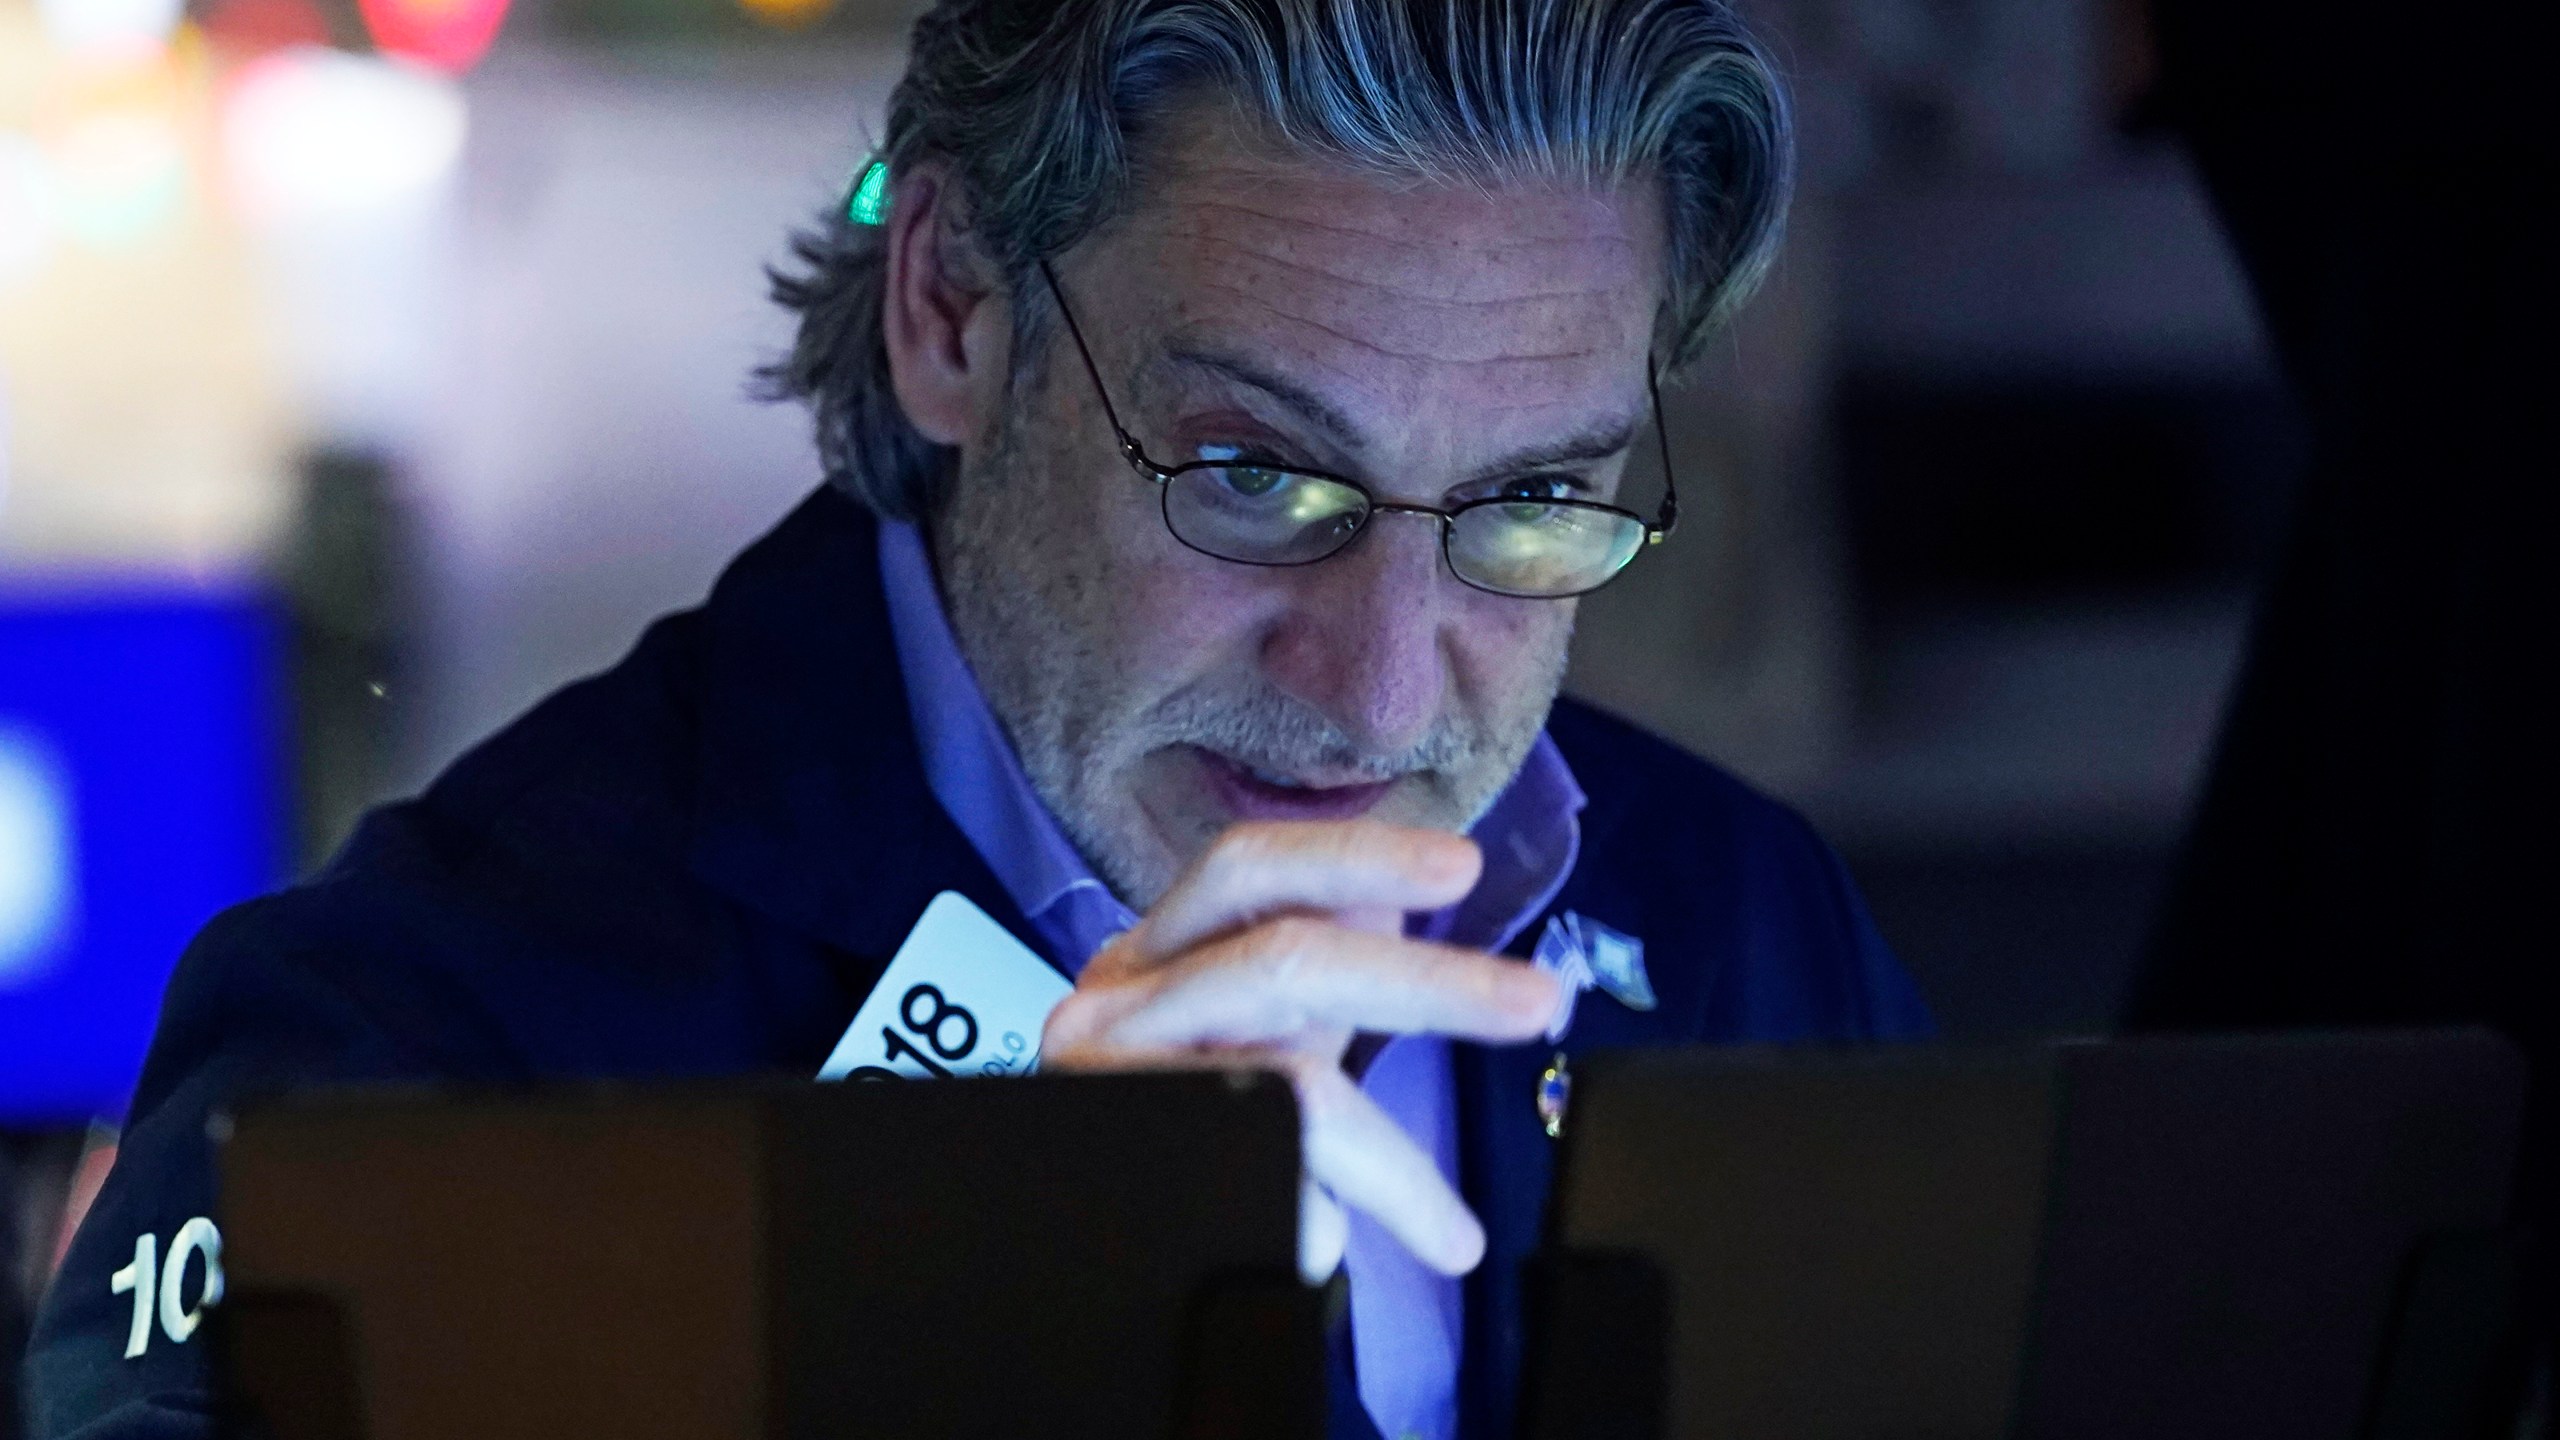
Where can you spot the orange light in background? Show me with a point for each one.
(450, 35)
(789, 14)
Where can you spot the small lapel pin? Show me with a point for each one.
(1555, 1089)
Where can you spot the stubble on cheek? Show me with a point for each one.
(1511, 695)
(1035, 588)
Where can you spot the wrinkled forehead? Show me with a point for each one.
(1526, 296)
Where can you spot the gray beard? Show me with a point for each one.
(1028, 612)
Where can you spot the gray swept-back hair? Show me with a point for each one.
(1038, 105)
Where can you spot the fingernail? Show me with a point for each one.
(1465, 1251)
(1539, 993)
(1458, 861)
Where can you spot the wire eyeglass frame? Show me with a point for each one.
(1654, 531)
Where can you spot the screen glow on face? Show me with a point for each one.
(1532, 537)
(1537, 538)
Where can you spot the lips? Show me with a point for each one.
(1251, 794)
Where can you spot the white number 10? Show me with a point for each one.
(158, 1287)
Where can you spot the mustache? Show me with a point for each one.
(1263, 727)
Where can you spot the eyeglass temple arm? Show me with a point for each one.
(1128, 442)
(1667, 518)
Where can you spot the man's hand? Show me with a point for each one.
(1274, 949)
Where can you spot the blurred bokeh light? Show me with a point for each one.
(36, 856)
(94, 28)
(314, 135)
(246, 29)
(116, 134)
(449, 35)
(789, 14)
(139, 793)
(30, 222)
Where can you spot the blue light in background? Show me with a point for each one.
(36, 855)
(141, 790)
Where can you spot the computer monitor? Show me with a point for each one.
(2174, 1237)
(1086, 1256)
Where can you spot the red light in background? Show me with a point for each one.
(450, 35)
(246, 29)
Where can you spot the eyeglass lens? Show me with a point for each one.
(1261, 515)
(1541, 549)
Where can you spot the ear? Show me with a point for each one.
(942, 318)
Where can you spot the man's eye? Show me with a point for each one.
(1540, 487)
(1245, 474)
(1252, 481)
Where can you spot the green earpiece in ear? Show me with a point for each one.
(870, 202)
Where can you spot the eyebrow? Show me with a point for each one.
(1306, 403)
(1598, 442)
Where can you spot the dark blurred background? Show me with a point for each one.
(349, 403)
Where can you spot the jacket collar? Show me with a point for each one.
(810, 803)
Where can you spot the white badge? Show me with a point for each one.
(961, 997)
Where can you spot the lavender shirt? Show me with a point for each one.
(1405, 1319)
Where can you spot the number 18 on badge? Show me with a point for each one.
(961, 997)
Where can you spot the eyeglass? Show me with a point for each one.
(1525, 546)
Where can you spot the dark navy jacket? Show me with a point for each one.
(698, 862)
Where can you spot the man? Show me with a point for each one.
(1224, 404)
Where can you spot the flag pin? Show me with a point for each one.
(1584, 954)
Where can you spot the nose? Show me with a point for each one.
(1362, 642)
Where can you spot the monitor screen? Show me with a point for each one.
(142, 789)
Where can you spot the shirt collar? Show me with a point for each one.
(974, 772)
(1531, 836)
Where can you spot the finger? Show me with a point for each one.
(1324, 1232)
(1371, 1165)
(1294, 976)
(1376, 919)
(1284, 1060)
(1256, 870)
(1084, 1033)
(1354, 1155)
